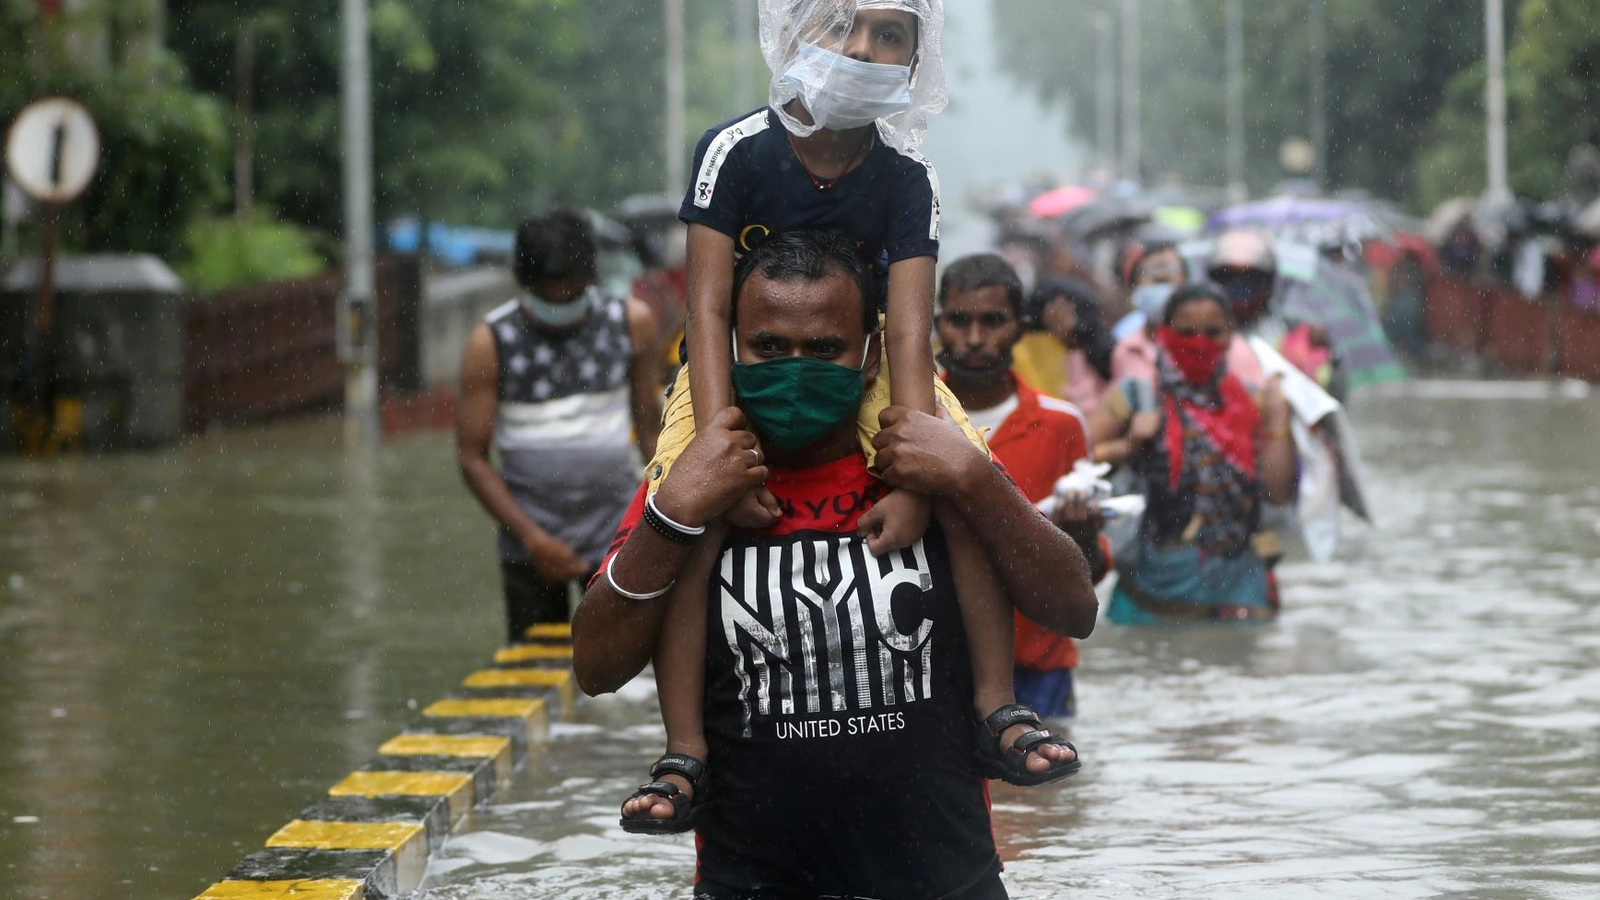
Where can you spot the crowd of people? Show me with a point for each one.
(1545, 251)
(859, 581)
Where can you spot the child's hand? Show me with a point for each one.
(896, 522)
(754, 511)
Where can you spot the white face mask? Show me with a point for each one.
(1151, 299)
(560, 315)
(842, 93)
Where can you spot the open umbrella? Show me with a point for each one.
(1588, 221)
(1184, 219)
(1314, 291)
(1447, 215)
(1093, 220)
(1282, 214)
(1060, 201)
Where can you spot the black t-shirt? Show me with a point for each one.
(750, 185)
(838, 708)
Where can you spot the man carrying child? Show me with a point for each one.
(853, 82)
(837, 684)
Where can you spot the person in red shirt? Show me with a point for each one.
(1037, 437)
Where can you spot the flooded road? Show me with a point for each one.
(194, 644)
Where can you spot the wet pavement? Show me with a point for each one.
(195, 643)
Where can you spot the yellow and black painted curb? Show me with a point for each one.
(371, 837)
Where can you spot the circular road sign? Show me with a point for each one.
(52, 149)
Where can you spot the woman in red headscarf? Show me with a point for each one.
(1209, 454)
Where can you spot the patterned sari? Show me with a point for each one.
(1204, 465)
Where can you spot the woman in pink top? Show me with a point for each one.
(1152, 272)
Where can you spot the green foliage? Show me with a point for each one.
(162, 155)
(483, 112)
(162, 145)
(225, 253)
(1552, 86)
(1451, 161)
(1552, 76)
(1390, 64)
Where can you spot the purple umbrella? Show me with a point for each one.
(1296, 214)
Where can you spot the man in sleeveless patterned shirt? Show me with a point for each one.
(561, 383)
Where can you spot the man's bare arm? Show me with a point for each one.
(475, 413)
(614, 637)
(1042, 569)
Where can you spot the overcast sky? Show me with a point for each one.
(993, 133)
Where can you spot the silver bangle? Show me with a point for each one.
(650, 501)
(629, 594)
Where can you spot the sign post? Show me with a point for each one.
(52, 150)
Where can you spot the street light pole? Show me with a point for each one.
(745, 39)
(676, 159)
(1237, 189)
(1495, 100)
(1132, 136)
(1319, 91)
(244, 141)
(1105, 92)
(357, 322)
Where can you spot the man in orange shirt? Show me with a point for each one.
(1037, 437)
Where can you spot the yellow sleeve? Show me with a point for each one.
(1041, 362)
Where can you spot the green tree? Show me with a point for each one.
(161, 143)
(483, 112)
(1389, 65)
(1552, 83)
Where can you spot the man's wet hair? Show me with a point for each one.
(979, 271)
(810, 256)
(556, 244)
(1195, 292)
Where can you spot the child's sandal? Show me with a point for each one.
(685, 808)
(1011, 765)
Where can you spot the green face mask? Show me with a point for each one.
(795, 401)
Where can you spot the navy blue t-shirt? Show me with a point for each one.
(750, 185)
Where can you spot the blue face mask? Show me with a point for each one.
(1151, 300)
(560, 315)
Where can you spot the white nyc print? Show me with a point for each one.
(837, 601)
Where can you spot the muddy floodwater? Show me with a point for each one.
(197, 642)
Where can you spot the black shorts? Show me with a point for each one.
(530, 599)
